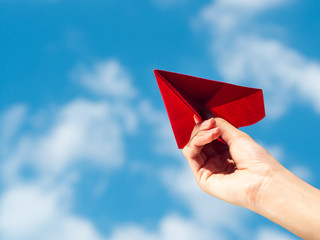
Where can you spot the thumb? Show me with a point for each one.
(229, 133)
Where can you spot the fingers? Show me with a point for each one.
(203, 133)
(210, 123)
(204, 137)
(206, 132)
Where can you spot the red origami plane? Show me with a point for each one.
(185, 96)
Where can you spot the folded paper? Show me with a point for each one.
(185, 96)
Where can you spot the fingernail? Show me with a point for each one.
(214, 131)
(196, 119)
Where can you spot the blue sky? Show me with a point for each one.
(86, 147)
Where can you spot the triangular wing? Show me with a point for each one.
(195, 91)
(241, 106)
(180, 112)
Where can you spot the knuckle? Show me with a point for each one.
(187, 150)
(184, 151)
(195, 131)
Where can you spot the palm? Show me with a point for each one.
(220, 176)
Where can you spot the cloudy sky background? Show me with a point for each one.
(86, 148)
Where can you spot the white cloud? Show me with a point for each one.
(77, 132)
(243, 56)
(129, 232)
(207, 210)
(175, 227)
(25, 209)
(248, 5)
(107, 78)
(127, 116)
(227, 17)
(162, 133)
(11, 121)
(82, 130)
(275, 150)
(302, 172)
(282, 73)
(36, 211)
(71, 227)
(171, 227)
(266, 233)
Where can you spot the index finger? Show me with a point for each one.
(204, 133)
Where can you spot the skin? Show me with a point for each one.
(240, 171)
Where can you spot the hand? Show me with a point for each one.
(241, 172)
(235, 171)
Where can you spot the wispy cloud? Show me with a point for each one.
(79, 131)
(162, 132)
(283, 73)
(242, 55)
(106, 78)
(171, 227)
(11, 121)
(302, 172)
(275, 150)
(266, 233)
(208, 211)
(224, 19)
(34, 211)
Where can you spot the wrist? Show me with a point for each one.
(274, 181)
(290, 202)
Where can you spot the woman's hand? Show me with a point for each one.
(235, 170)
(241, 172)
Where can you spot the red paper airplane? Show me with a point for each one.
(185, 96)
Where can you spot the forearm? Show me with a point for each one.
(292, 203)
